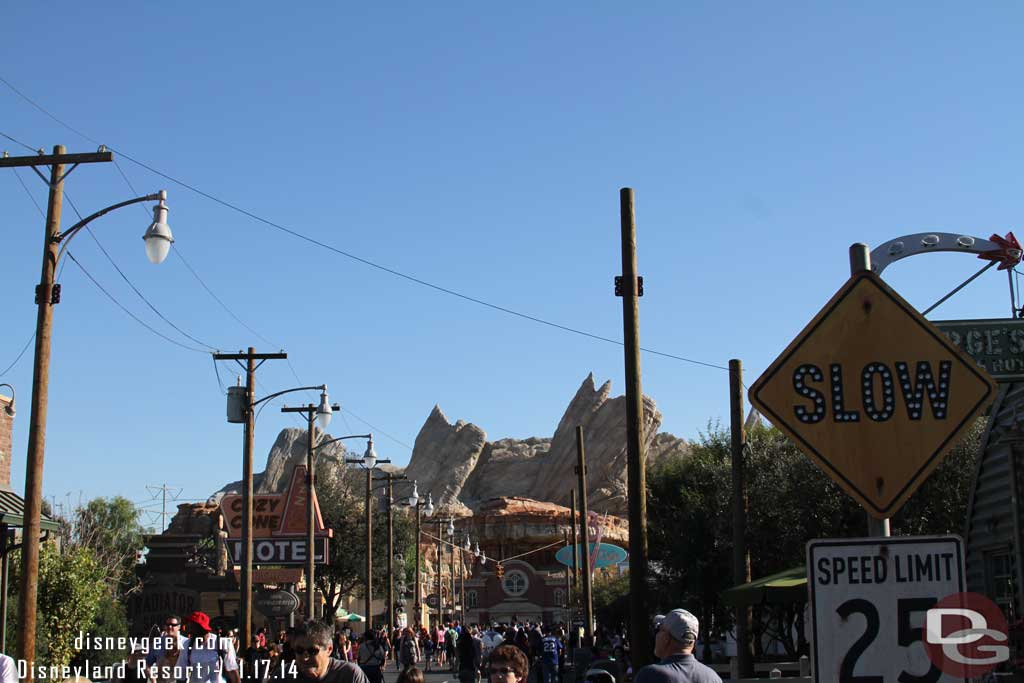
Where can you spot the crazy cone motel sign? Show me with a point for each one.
(873, 393)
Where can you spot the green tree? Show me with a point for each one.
(71, 589)
(342, 504)
(610, 591)
(790, 501)
(110, 528)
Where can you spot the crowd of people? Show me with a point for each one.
(190, 650)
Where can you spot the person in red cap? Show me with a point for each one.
(207, 658)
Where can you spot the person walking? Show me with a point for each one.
(408, 650)
(311, 643)
(468, 658)
(551, 651)
(674, 639)
(372, 657)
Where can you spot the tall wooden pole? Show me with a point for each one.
(37, 422)
(568, 586)
(369, 549)
(440, 563)
(462, 588)
(451, 575)
(639, 617)
(248, 440)
(419, 590)
(575, 541)
(310, 517)
(391, 552)
(860, 260)
(740, 556)
(588, 597)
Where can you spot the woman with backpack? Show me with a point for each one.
(408, 650)
(372, 657)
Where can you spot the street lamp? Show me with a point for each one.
(321, 415)
(368, 462)
(241, 409)
(389, 501)
(427, 508)
(9, 408)
(158, 240)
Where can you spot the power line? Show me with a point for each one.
(354, 257)
(19, 142)
(378, 430)
(131, 284)
(177, 252)
(129, 313)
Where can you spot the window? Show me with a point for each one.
(559, 597)
(471, 599)
(515, 583)
(999, 577)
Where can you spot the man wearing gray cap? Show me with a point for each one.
(674, 638)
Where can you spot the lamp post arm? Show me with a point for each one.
(320, 387)
(342, 438)
(66, 236)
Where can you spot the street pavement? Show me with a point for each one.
(433, 676)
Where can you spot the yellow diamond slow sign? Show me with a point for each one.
(873, 393)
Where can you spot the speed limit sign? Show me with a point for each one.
(869, 600)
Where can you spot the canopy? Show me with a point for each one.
(355, 617)
(785, 587)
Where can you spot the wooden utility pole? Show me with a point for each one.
(451, 574)
(630, 288)
(47, 296)
(740, 556)
(369, 550)
(249, 418)
(419, 581)
(588, 596)
(575, 541)
(568, 584)
(440, 564)
(391, 552)
(462, 588)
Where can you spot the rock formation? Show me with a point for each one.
(288, 451)
(541, 469)
(462, 470)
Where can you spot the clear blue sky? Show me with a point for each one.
(481, 148)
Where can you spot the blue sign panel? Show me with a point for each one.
(607, 555)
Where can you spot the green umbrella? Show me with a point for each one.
(355, 617)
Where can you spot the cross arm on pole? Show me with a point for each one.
(51, 159)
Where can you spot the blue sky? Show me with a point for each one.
(479, 147)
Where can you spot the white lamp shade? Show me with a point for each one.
(370, 457)
(428, 509)
(451, 527)
(414, 499)
(158, 237)
(324, 411)
(467, 546)
(476, 550)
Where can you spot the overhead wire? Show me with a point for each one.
(59, 272)
(129, 313)
(131, 284)
(354, 257)
(19, 142)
